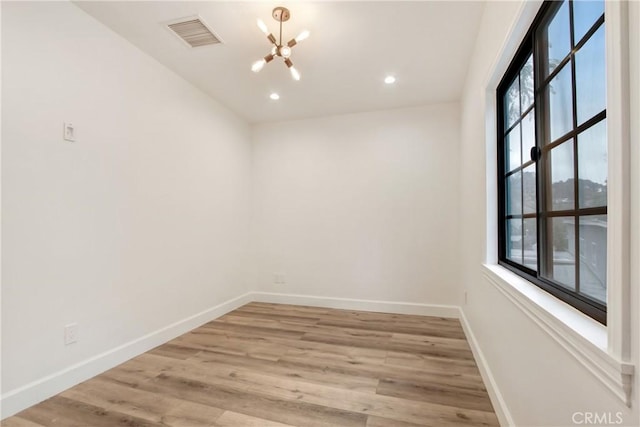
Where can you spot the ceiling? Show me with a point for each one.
(426, 45)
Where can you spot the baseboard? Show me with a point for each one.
(499, 405)
(359, 304)
(23, 397)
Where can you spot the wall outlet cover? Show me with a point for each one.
(70, 333)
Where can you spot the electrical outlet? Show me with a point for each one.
(278, 278)
(70, 333)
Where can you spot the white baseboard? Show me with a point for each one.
(499, 405)
(23, 397)
(360, 304)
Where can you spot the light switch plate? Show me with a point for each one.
(69, 132)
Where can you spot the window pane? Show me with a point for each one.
(513, 149)
(593, 256)
(512, 104)
(526, 84)
(591, 91)
(529, 189)
(557, 38)
(585, 14)
(560, 108)
(562, 240)
(592, 166)
(530, 244)
(514, 194)
(528, 125)
(552, 101)
(561, 163)
(514, 240)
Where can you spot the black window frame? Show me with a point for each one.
(531, 45)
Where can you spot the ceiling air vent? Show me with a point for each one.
(194, 32)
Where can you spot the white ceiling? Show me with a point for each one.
(353, 46)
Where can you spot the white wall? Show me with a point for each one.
(139, 223)
(359, 206)
(541, 383)
(144, 220)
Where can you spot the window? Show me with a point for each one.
(552, 156)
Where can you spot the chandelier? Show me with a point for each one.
(280, 14)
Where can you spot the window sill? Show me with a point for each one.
(584, 338)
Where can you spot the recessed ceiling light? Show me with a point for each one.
(389, 80)
(274, 96)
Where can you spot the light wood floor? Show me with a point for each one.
(268, 365)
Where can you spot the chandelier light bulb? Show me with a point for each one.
(389, 80)
(274, 96)
(263, 27)
(294, 73)
(257, 66)
(303, 36)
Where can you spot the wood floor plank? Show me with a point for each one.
(61, 411)
(234, 419)
(465, 376)
(360, 367)
(312, 374)
(132, 372)
(445, 394)
(284, 325)
(443, 350)
(230, 343)
(191, 414)
(407, 328)
(291, 317)
(141, 404)
(293, 329)
(374, 421)
(42, 414)
(254, 404)
(265, 307)
(372, 316)
(18, 422)
(337, 352)
(260, 330)
(456, 343)
(305, 310)
(278, 365)
(174, 350)
(428, 363)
